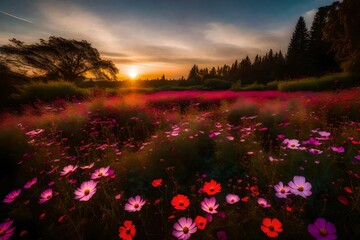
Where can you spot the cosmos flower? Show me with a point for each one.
(338, 149)
(212, 187)
(180, 202)
(292, 143)
(263, 203)
(300, 187)
(87, 166)
(156, 182)
(134, 204)
(5, 231)
(86, 191)
(101, 172)
(12, 196)
(128, 231)
(46, 195)
(68, 169)
(281, 190)
(200, 222)
(29, 183)
(232, 198)
(322, 230)
(209, 205)
(183, 228)
(271, 227)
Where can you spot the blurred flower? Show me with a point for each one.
(200, 222)
(134, 204)
(12, 196)
(101, 172)
(128, 231)
(87, 166)
(86, 190)
(68, 169)
(281, 190)
(29, 183)
(338, 149)
(322, 230)
(271, 227)
(212, 187)
(300, 187)
(156, 182)
(221, 235)
(209, 205)
(180, 202)
(46, 195)
(292, 143)
(5, 231)
(232, 198)
(183, 228)
(263, 203)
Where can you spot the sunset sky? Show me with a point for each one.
(148, 38)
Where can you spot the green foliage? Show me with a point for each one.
(49, 91)
(255, 86)
(218, 84)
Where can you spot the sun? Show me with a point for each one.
(133, 72)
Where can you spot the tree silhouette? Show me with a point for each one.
(60, 58)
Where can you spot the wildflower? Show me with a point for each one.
(134, 204)
(262, 202)
(12, 196)
(87, 166)
(200, 222)
(221, 235)
(271, 227)
(68, 169)
(232, 198)
(292, 143)
(183, 228)
(300, 187)
(212, 187)
(101, 172)
(209, 205)
(281, 190)
(156, 182)
(322, 230)
(29, 183)
(180, 202)
(128, 231)
(86, 191)
(46, 195)
(338, 149)
(5, 231)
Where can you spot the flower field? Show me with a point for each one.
(184, 165)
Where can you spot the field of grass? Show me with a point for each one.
(179, 165)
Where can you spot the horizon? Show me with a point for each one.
(147, 40)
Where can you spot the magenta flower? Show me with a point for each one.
(87, 166)
(292, 143)
(12, 196)
(134, 204)
(5, 231)
(263, 203)
(300, 187)
(46, 195)
(101, 172)
(338, 149)
(322, 230)
(209, 205)
(183, 228)
(281, 190)
(68, 169)
(86, 191)
(29, 183)
(232, 198)
(221, 235)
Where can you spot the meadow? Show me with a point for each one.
(183, 165)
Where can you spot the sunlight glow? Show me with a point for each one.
(133, 72)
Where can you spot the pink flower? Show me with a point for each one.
(322, 230)
(209, 205)
(300, 187)
(86, 191)
(5, 231)
(101, 172)
(338, 149)
(292, 143)
(29, 183)
(46, 195)
(87, 166)
(183, 228)
(232, 198)
(134, 204)
(315, 151)
(263, 203)
(281, 190)
(68, 169)
(12, 196)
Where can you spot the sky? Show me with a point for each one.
(148, 38)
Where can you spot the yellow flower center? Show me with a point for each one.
(292, 145)
(323, 232)
(301, 188)
(185, 229)
(86, 192)
(100, 174)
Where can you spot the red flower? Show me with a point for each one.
(212, 187)
(254, 191)
(128, 231)
(271, 227)
(180, 202)
(200, 222)
(156, 182)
